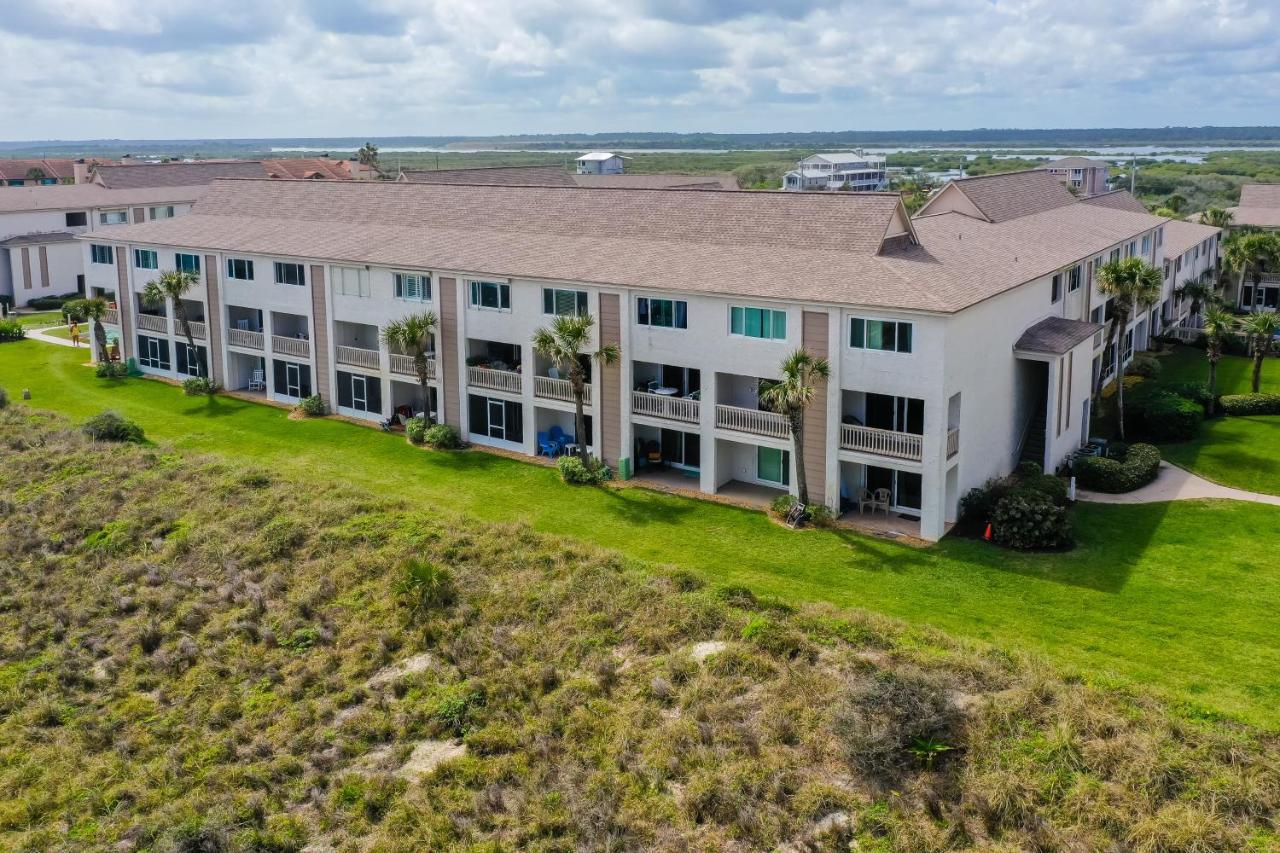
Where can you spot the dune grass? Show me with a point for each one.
(1175, 596)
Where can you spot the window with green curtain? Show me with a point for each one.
(883, 335)
(757, 322)
(735, 320)
(780, 325)
(773, 465)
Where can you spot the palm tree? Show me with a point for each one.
(415, 334)
(1218, 324)
(1134, 285)
(561, 344)
(368, 155)
(1200, 291)
(94, 309)
(1217, 217)
(1260, 327)
(790, 396)
(172, 285)
(1249, 254)
(1175, 203)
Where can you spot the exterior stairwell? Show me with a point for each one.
(1034, 437)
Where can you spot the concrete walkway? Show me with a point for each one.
(39, 335)
(1177, 484)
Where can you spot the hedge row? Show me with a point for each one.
(1113, 476)
(1160, 414)
(1251, 404)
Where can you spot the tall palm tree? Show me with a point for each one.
(1218, 324)
(172, 285)
(414, 334)
(562, 344)
(1251, 253)
(1134, 286)
(94, 308)
(368, 155)
(1217, 217)
(1200, 291)
(790, 396)
(1260, 327)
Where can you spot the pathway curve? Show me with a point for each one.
(1177, 484)
(39, 335)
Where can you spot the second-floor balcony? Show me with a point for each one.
(153, 323)
(495, 380)
(297, 347)
(198, 329)
(551, 388)
(245, 338)
(882, 442)
(403, 364)
(357, 357)
(670, 407)
(752, 421)
(111, 316)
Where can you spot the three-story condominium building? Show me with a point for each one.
(959, 342)
(838, 170)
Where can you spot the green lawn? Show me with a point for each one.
(40, 319)
(1240, 452)
(1175, 596)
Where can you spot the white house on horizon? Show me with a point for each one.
(599, 163)
(838, 170)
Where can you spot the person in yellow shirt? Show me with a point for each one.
(75, 333)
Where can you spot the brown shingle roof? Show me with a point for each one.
(1056, 336)
(1118, 199)
(1010, 195)
(38, 239)
(175, 174)
(1260, 195)
(16, 170)
(309, 168)
(659, 182)
(495, 176)
(818, 247)
(1075, 163)
(84, 196)
(1181, 236)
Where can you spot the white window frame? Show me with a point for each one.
(278, 267)
(406, 284)
(343, 284)
(149, 254)
(581, 304)
(99, 250)
(109, 217)
(772, 314)
(177, 263)
(674, 327)
(475, 295)
(248, 269)
(162, 211)
(896, 334)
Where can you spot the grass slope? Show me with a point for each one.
(1175, 596)
(195, 655)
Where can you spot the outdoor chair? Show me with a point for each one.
(553, 372)
(546, 446)
(256, 380)
(559, 437)
(873, 500)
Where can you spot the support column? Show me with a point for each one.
(707, 471)
(213, 321)
(447, 362)
(608, 420)
(320, 336)
(815, 334)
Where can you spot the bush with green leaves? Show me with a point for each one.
(782, 504)
(112, 426)
(1251, 404)
(425, 587)
(111, 370)
(312, 407)
(575, 472)
(442, 437)
(415, 429)
(4, 398)
(1029, 520)
(12, 330)
(1197, 392)
(199, 386)
(880, 720)
(1139, 466)
(1158, 414)
(1145, 365)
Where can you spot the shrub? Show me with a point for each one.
(112, 370)
(573, 471)
(1053, 489)
(1195, 391)
(198, 386)
(47, 303)
(821, 515)
(1137, 468)
(879, 721)
(1144, 365)
(1251, 404)
(312, 407)
(110, 426)
(425, 587)
(978, 503)
(4, 398)
(442, 437)
(782, 504)
(1030, 520)
(415, 429)
(1161, 415)
(11, 330)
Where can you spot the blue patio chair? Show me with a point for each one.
(559, 438)
(546, 445)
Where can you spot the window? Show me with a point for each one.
(1115, 255)
(164, 211)
(1131, 249)
(773, 465)
(490, 294)
(146, 259)
(290, 274)
(1055, 291)
(239, 268)
(350, 281)
(662, 313)
(1160, 236)
(77, 219)
(764, 323)
(153, 352)
(184, 262)
(113, 217)
(362, 393)
(191, 360)
(567, 303)
(101, 254)
(414, 286)
(1146, 243)
(884, 335)
(1073, 279)
(290, 379)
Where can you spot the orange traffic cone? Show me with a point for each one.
(987, 533)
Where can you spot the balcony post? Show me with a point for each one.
(528, 369)
(707, 477)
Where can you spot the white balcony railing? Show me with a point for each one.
(1186, 334)
(244, 338)
(356, 356)
(111, 316)
(404, 364)
(660, 406)
(495, 380)
(198, 329)
(558, 389)
(953, 442)
(298, 347)
(754, 421)
(152, 323)
(883, 442)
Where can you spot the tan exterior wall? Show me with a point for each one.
(816, 335)
(213, 318)
(124, 299)
(44, 266)
(320, 334)
(610, 382)
(26, 268)
(446, 350)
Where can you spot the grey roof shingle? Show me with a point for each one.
(1260, 195)
(84, 196)
(1118, 199)
(38, 239)
(557, 176)
(1056, 336)
(176, 174)
(1010, 195)
(1180, 236)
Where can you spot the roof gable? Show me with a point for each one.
(175, 174)
(1260, 195)
(1010, 195)
(1117, 200)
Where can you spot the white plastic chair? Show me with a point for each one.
(257, 382)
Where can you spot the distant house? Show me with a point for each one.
(44, 171)
(1259, 207)
(599, 163)
(1087, 177)
(839, 170)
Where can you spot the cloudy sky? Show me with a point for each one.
(241, 68)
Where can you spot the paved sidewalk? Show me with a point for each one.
(1177, 484)
(39, 335)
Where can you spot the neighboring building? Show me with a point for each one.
(1087, 177)
(175, 174)
(599, 163)
(839, 170)
(959, 342)
(45, 171)
(1190, 254)
(556, 176)
(1259, 207)
(38, 224)
(1118, 199)
(316, 168)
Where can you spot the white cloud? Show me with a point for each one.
(190, 68)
